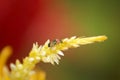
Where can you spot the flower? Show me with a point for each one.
(4, 71)
(45, 53)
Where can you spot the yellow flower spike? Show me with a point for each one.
(89, 40)
(4, 55)
(6, 73)
(50, 52)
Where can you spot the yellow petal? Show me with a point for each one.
(5, 53)
(6, 73)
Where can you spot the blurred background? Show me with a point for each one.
(23, 22)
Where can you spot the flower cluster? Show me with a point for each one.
(50, 52)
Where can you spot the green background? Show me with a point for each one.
(98, 61)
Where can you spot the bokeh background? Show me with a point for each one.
(23, 22)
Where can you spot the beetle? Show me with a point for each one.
(54, 42)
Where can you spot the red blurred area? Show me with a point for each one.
(23, 22)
